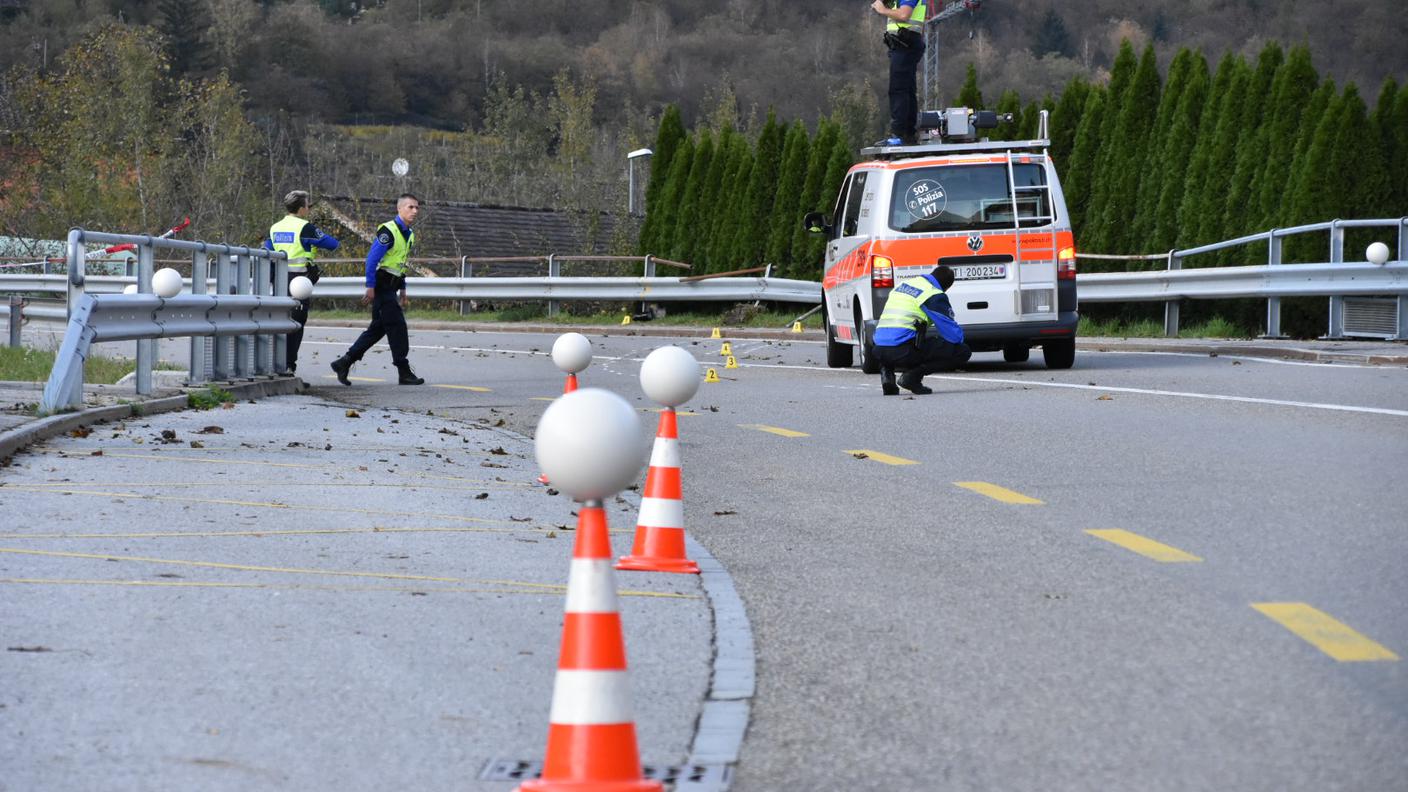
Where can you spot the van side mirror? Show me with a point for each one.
(815, 223)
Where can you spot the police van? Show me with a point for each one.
(991, 210)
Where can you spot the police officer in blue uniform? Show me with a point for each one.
(386, 292)
(301, 241)
(902, 340)
(904, 36)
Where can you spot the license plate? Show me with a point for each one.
(979, 271)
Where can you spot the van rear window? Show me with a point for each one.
(965, 197)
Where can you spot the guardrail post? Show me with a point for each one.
(200, 347)
(263, 344)
(223, 348)
(146, 265)
(244, 345)
(1336, 329)
(554, 271)
(1171, 306)
(76, 289)
(16, 318)
(1273, 304)
(464, 269)
(280, 286)
(1402, 298)
(649, 266)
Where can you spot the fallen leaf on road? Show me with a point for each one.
(724, 513)
(211, 430)
(861, 456)
(81, 431)
(482, 496)
(353, 414)
(498, 451)
(99, 452)
(1105, 397)
(197, 444)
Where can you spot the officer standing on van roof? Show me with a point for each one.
(901, 340)
(904, 36)
(386, 291)
(298, 238)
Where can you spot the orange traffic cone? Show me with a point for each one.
(567, 388)
(592, 730)
(659, 544)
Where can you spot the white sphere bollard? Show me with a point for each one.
(572, 353)
(1377, 253)
(589, 443)
(130, 288)
(166, 282)
(300, 288)
(670, 376)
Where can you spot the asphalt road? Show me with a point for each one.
(918, 633)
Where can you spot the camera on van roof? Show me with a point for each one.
(960, 124)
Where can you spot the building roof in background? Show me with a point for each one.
(452, 229)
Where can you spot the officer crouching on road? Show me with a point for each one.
(386, 292)
(901, 340)
(300, 240)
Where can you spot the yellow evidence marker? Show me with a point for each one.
(731, 362)
(716, 334)
(711, 375)
(625, 320)
(727, 349)
(796, 327)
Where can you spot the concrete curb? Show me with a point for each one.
(17, 438)
(1246, 350)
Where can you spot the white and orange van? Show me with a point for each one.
(992, 210)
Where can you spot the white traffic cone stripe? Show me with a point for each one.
(591, 588)
(666, 453)
(661, 513)
(590, 698)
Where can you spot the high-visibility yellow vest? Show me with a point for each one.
(904, 309)
(284, 236)
(916, 19)
(394, 261)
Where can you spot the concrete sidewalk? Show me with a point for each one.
(290, 594)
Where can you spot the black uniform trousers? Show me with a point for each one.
(300, 315)
(930, 355)
(388, 321)
(904, 87)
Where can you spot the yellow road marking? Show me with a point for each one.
(475, 388)
(256, 504)
(1143, 545)
(774, 430)
(995, 492)
(355, 379)
(884, 458)
(1324, 632)
(308, 587)
(542, 398)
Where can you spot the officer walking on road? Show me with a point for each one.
(300, 240)
(901, 337)
(904, 36)
(386, 292)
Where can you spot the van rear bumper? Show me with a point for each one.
(990, 337)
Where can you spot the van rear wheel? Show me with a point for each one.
(1059, 353)
(838, 355)
(1016, 354)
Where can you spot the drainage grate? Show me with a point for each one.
(1371, 316)
(518, 770)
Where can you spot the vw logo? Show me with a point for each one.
(975, 243)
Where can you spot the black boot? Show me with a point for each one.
(408, 377)
(912, 381)
(887, 382)
(341, 367)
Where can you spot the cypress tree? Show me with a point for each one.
(1250, 146)
(1398, 160)
(969, 95)
(1066, 117)
(1390, 128)
(1031, 118)
(711, 198)
(1311, 192)
(1320, 103)
(1151, 170)
(671, 194)
(667, 139)
(1121, 78)
(1214, 157)
(806, 246)
(1295, 82)
(787, 206)
(1177, 155)
(1125, 158)
(725, 221)
(1358, 175)
(758, 200)
(1052, 36)
(184, 23)
(1081, 173)
(687, 230)
(1010, 102)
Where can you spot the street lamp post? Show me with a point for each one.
(631, 176)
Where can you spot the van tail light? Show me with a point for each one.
(1066, 264)
(882, 272)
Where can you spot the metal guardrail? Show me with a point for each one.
(1336, 278)
(128, 317)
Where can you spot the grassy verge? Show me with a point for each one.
(35, 365)
(1216, 327)
(733, 318)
